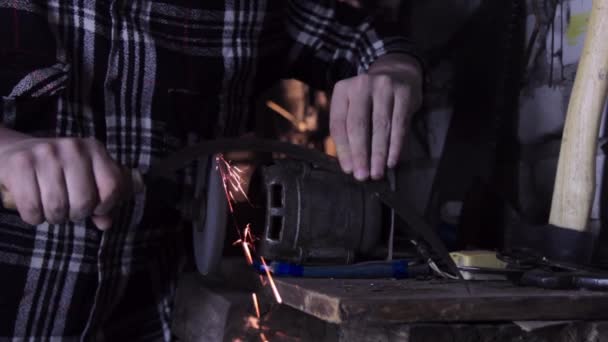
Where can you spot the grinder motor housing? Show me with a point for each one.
(317, 216)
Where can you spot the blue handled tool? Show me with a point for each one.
(399, 269)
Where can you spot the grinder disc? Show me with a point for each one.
(210, 216)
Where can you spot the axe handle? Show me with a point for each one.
(135, 185)
(574, 189)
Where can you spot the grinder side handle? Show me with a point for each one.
(575, 180)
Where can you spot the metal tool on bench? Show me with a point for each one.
(399, 269)
(565, 280)
(544, 273)
(567, 237)
(417, 227)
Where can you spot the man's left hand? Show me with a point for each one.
(370, 115)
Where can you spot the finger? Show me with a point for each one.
(109, 179)
(381, 128)
(24, 188)
(337, 126)
(103, 222)
(358, 128)
(79, 178)
(399, 126)
(53, 192)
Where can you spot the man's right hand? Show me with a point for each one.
(60, 179)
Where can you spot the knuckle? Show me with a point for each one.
(379, 157)
(109, 189)
(84, 207)
(71, 146)
(30, 212)
(340, 85)
(381, 125)
(382, 81)
(96, 148)
(21, 160)
(401, 120)
(93, 143)
(356, 122)
(402, 89)
(363, 81)
(45, 149)
(56, 209)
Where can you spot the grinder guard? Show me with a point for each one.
(314, 215)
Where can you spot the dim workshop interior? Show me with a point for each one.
(491, 227)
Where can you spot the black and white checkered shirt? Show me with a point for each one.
(145, 77)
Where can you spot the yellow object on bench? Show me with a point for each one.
(479, 259)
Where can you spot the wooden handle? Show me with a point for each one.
(7, 199)
(135, 186)
(575, 180)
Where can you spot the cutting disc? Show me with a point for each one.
(210, 216)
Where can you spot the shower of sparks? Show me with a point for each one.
(256, 304)
(247, 241)
(232, 180)
(275, 291)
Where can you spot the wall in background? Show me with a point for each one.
(552, 38)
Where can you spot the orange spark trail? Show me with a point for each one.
(247, 241)
(256, 305)
(232, 180)
(275, 291)
(247, 253)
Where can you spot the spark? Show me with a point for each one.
(275, 291)
(247, 241)
(232, 180)
(247, 253)
(283, 112)
(256, 304)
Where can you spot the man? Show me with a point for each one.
(90, 88)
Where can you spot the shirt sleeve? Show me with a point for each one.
(331, 41)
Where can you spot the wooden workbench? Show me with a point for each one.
(383, 311)
(407, 301)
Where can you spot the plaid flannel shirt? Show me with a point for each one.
(145, 78)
